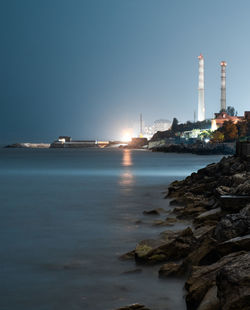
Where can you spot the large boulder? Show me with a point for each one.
(231, 226)
(169, 269)
(203, 278)
(210, 301)
(213, 215)
(171, 246)
(233, 283)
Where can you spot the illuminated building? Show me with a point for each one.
(222, 117)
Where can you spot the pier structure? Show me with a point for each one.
(201, 102)
(223, 65)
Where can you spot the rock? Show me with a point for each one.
(233, 282)
(171, 246)
(133, 271)
(146, 247)
(213, 214)
(154, 211)
(210, 301)
(234, 245)
(204, 231)
(128, 256)
(175, 202)
(134, 307)
(243, 189)
(200, 255)
(233, 203)
(222, 190)
(170, 269)
(245, 211)
(238, 178)
(231, 226)
(170, 221)
(203, 278)
(190, 211)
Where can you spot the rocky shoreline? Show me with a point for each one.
(213, 252)
(198, 148)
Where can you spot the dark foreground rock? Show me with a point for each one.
(203, 278)
(233, 283)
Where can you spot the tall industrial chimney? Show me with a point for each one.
(201, 103)
(141, 135)
(223, 65)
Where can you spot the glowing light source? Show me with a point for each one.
(126, 136)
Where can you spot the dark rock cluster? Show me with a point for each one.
(198, 148)
(213, 254)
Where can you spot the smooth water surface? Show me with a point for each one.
(66, 217)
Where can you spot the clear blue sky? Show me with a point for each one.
(87, 68)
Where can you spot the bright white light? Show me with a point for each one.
(206, 140)
(126, 136)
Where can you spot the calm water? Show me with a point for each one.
(67, 215)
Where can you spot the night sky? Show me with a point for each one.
(88, 68)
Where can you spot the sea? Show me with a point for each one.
(67, 215)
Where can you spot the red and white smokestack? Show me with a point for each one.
(223, 65)
(201, 103)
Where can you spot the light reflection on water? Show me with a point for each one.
(127, 158)
(127, 178)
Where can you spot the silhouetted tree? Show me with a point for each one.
(217, 136)
(175, 126)
(242, 129)
(230, 131)
(230, 111)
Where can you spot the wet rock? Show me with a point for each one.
(204, 231)
(245, 211)
(171, 246)
(170, 221)
(203, 254)
(154, 211)
(145, 248)
(203, 278)
(231, 226)
(238, 178)
(190, 211)
(214, 214)
(134, 307)
(243, 189)
(169, 269)
(175, 202)
(210, 301)
(234, 245)
(233, 203)
(233, 282)
(222, 190)
(128, 256)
